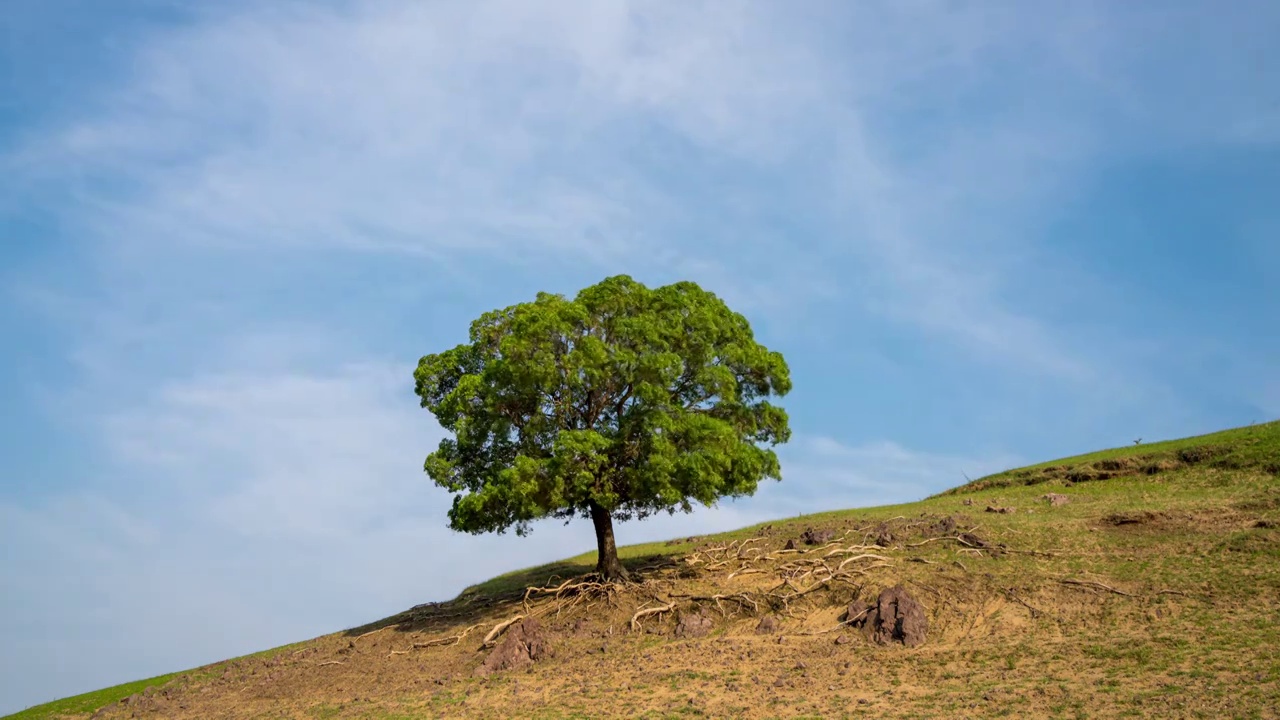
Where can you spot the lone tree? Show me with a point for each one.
(619, 403)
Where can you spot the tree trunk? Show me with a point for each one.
(607, 565)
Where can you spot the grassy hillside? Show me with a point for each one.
(1137, 582)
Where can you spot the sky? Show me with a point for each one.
(983, 234)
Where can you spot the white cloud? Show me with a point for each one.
(609, 135)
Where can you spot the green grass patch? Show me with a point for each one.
(91, 701)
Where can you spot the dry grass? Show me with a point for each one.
(1150, 593)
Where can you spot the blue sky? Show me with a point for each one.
(982, 234)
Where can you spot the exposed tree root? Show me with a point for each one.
(451, 640)
(743, 599)
(378, 630)
(646, 612)
(489, 640)
(864, 556)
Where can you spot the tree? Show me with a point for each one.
(620, 403)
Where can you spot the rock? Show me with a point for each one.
(968, 501)
(768, 624)
(1056, 499)
(693, 625)
(791, 545)
(817, 537)
(895, 617)
(1001, 510)
(523, 645)
(945, 526)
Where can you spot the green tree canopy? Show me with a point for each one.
(617, 404)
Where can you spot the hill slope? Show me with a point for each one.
(1141, 581)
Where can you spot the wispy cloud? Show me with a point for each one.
(587, 133)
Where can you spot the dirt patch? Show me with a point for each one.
(1001, 510)
(894, 617)
(1089, 472)
(768, 624)
(1116, 464)
(817, 537)
(1155, 467)
(1055, 499)
(694, 624)
(943, 526)
(1197, 455)
(1260, 504)
(1138, 517)
(523, 645)
(884, 537)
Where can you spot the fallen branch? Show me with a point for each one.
(330, 662)
(452, 640)
(744, 571)
(1038, 553)
(646, 612)
(497, 630)
(1092, 584)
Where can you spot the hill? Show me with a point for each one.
(1140, 581)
